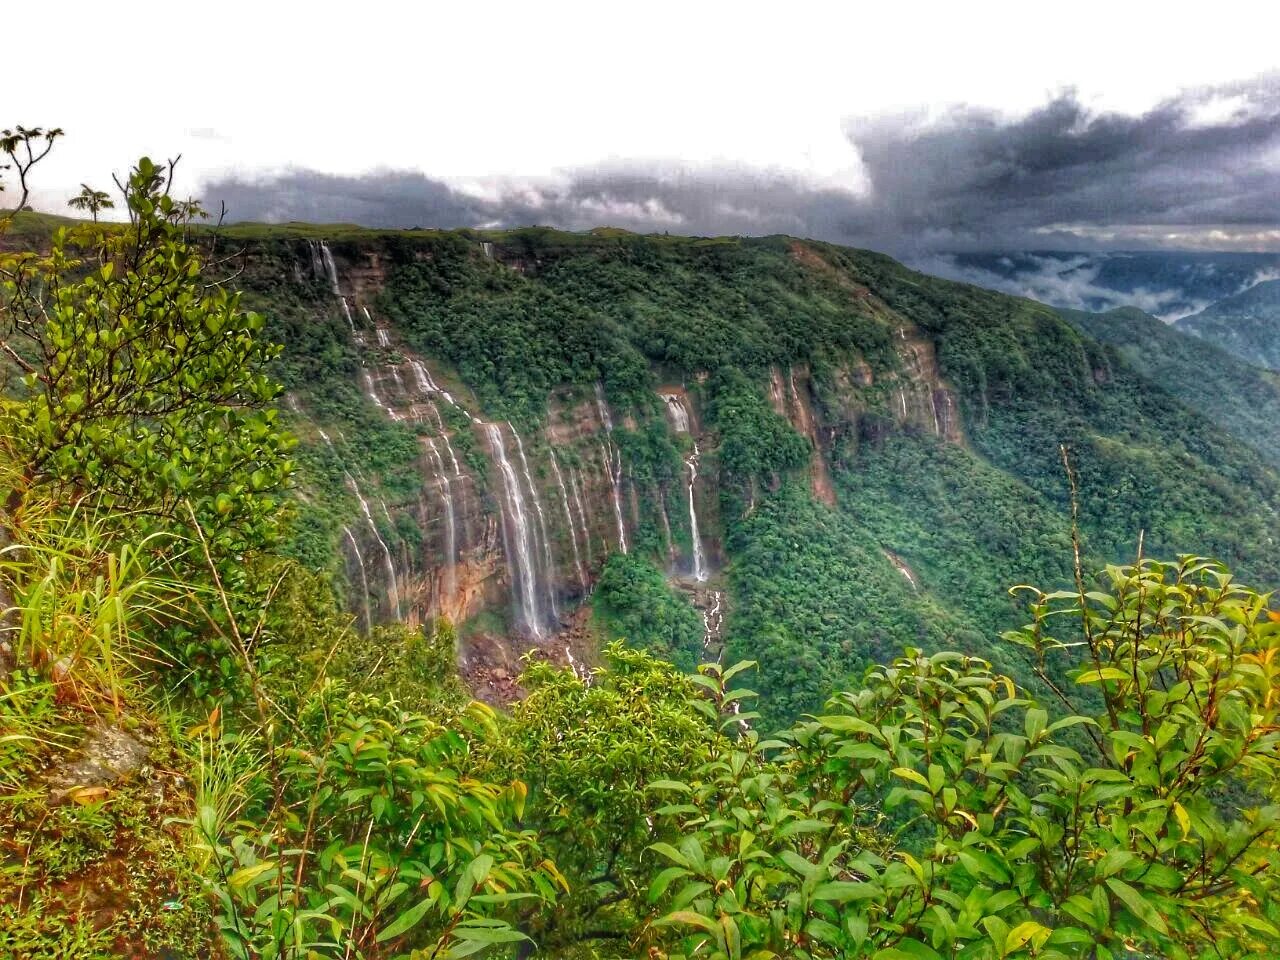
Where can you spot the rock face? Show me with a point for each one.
(520, 522)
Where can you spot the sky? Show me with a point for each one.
(906, 126)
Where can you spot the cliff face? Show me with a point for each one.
(517, 521)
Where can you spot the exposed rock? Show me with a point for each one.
(108, 754)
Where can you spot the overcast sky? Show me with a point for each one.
(905, 125)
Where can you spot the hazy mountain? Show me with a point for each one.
(1166, 285)
(1247, 324)
(1239, 396)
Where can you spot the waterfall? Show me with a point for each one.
(317, 266)
(383, 335)
(365, 310)
(679, 415)
(487, 249)
(520, 554)
(580, 671)
(393, 586)
(612, 465)
(331, 274)
(427, 385)
(450, 521)
(712, 618)
(568, 515)
(395, 377)
(699, 559)
(372, 392)
(364, 577)
(330, 268)
(576, 486)
(549, 568)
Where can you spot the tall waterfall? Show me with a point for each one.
(364, 576)
(679, 415)
(450, 521)
(576, 486)
(331, 274)
(393, 586)
(568, 515)
(699, 558)
(317, 263)
(613, 465)
(549, 569)
(520, 542)
(330, 268)
(382, 333)
(372, 391)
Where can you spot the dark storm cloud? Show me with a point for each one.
(1199, 170)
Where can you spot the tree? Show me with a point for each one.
(588, 747)
(144, 379)
(91, 200)
(25, 147)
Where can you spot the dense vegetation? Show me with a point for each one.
(199, 754)
(1242, 399)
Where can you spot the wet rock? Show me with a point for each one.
(107, 755)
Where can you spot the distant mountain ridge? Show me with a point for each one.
(1240, 397)
(1167, 285)
(1246, 324)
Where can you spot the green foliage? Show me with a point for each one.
(1240, 398)
(1009, 840)
(756, 444)
(815, 602)
(366, 836)
(148, 385)
(633, 601)
(588, 749)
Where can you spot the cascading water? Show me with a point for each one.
(699, 558)
(576, 485)
(520, 552)
(427, 385)
(382, 333)
(330, 268)
(487, 249)
(372, 391)
(393, 586)
(613, 465)
(450, 521)
(364, 576)
(549, 570)
(568, 515)
(679, 415)
(712, 621)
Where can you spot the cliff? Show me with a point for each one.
(487, 417)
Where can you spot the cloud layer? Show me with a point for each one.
(1198, 171)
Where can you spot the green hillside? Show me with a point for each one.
(1241, 398)
(1184, 461)
(252, 588)
(1246, 324)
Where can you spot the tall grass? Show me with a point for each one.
(82, 603)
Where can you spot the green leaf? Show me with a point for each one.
(1137, 904)
(405, 921)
